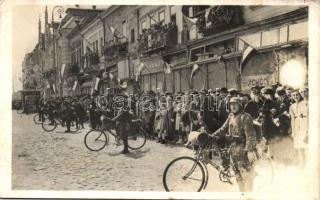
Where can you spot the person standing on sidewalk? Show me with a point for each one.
(299, 124)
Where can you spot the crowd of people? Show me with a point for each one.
(266, 114)
(169, 118)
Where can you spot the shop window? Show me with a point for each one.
(177, 86)
(160, 79)
(153, 82)
(270, 37)
(146, 83)
(298, 31)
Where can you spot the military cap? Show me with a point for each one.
(233, 91)
(224, 90)
(236, 100)
(280, 91)
(267, 90)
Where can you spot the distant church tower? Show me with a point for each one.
(39, 31)
(46, 26)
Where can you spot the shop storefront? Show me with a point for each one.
(153, 77)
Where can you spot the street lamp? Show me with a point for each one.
(59, 10)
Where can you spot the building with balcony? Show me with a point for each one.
(277, 33)
(111, 44)
(79, 61)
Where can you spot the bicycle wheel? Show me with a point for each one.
(36, 119)
(137, 139)
(184, 174)
(264, 168)
(47, 125)
(96, 140)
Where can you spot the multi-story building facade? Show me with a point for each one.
(218, 46)
(111, 45)
(73, 65)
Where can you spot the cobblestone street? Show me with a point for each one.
(59, 161)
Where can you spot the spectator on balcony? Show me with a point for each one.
(172, 34)
(185, 35)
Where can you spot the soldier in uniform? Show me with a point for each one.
(123, 120)
(239, 133)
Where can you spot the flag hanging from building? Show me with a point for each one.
(166, 67)
(111, 76)
(208, 23)
(54, 88)
(190, 21)
(63, 69)
(116, 33)
(140, 68)
(75, 85)
(194, 69)
(247, 52)
(96, 84)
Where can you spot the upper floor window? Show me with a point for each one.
(124, 28)
(291, 32)
(153, 20)
(143, 24)
(162, 16)
(132, 36)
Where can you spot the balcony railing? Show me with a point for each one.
(49, 73)
(220, 18)
(73, 69)
(114, 50)
(157, 37)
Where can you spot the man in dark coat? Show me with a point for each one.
(254, 105)
(268, 111)
(123, 121)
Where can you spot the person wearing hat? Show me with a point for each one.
(268, 112)
(222, 105)
(254, 105)
(239, 134)
(169, 120)
(282, 115)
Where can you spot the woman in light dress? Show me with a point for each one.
(299, 124)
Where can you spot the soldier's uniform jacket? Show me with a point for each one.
(240, 132)
(240, 126)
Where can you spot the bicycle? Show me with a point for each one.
(98, 139)
(50, 125)
(191, 173)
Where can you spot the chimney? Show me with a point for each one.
(94, 7)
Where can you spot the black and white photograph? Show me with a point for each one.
(161, 98)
